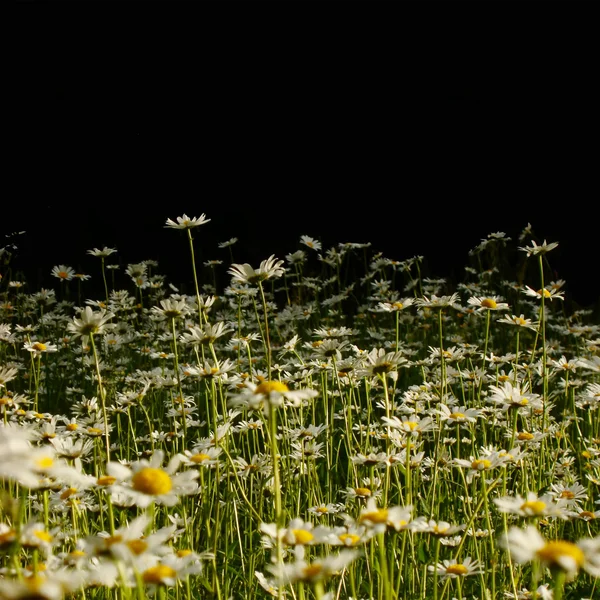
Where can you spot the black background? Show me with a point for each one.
(276, 132)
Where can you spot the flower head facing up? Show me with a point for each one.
(452, 568)
(146, 481)
(38, 348)
(534, 249)
(275, 393)
(484, 303)
(528, 544)
(102, 253)
(89, 323)
(269, 268)
(317, 570)
(63, 272)
(171, 308)
(186, 222)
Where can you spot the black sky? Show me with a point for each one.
(416, 157)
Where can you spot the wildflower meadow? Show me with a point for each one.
(330, 424)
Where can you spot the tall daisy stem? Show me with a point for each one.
(102, 392)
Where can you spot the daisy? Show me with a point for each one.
(452, 568)
(63, 272)
(323, 509)
(186, 222)
(171, 308)
(459, 414)
(310, 242)
(268, 269)
(206, 334)
(35, 535)
(34, 467)
(39, 348)
(102, 253)
(146, 481)
(531, 506)
(379, 519)
(478, 465)
(89, 323)
(297, 533)
(317, 570)
(510, 396)
(49, 585)
(528, 544)
(276, 393)
(534, 249)
(570, 496)
(395, 306)
(438, 301)
(546, 293)
(413, 426)
(379, 362)
(170, 569)
(350, 535)
(229, 242)
(267, 584)
(130, 544)
(441, 528)
(519, 321)
(484, 303)
(201, 457)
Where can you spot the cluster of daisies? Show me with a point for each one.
(330, 424)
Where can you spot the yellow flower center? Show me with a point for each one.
(488, 303)
(42, 535)
(457, 569)
(63, 274)
(398, 305)
(153, 482)
(349, 539)
(68, 493)
(198, 458)
(302, 536)
(137, 546)
(94, 431)
(183, 553)
(375, 517)
(7, 537)
(158, 574)
(71, 426)
(363, 492)
(584, 514)
(381, 368)
(552, 552)
(311, 571)
(567, 494)
(457, 416)
(113, 539)
(106, 480)
(545, 292)
(480, 464)
(411, 425)
(39, 347)
(525, 436)
(533, 507)
(266, 387)
(322, 510)
(44, 462)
